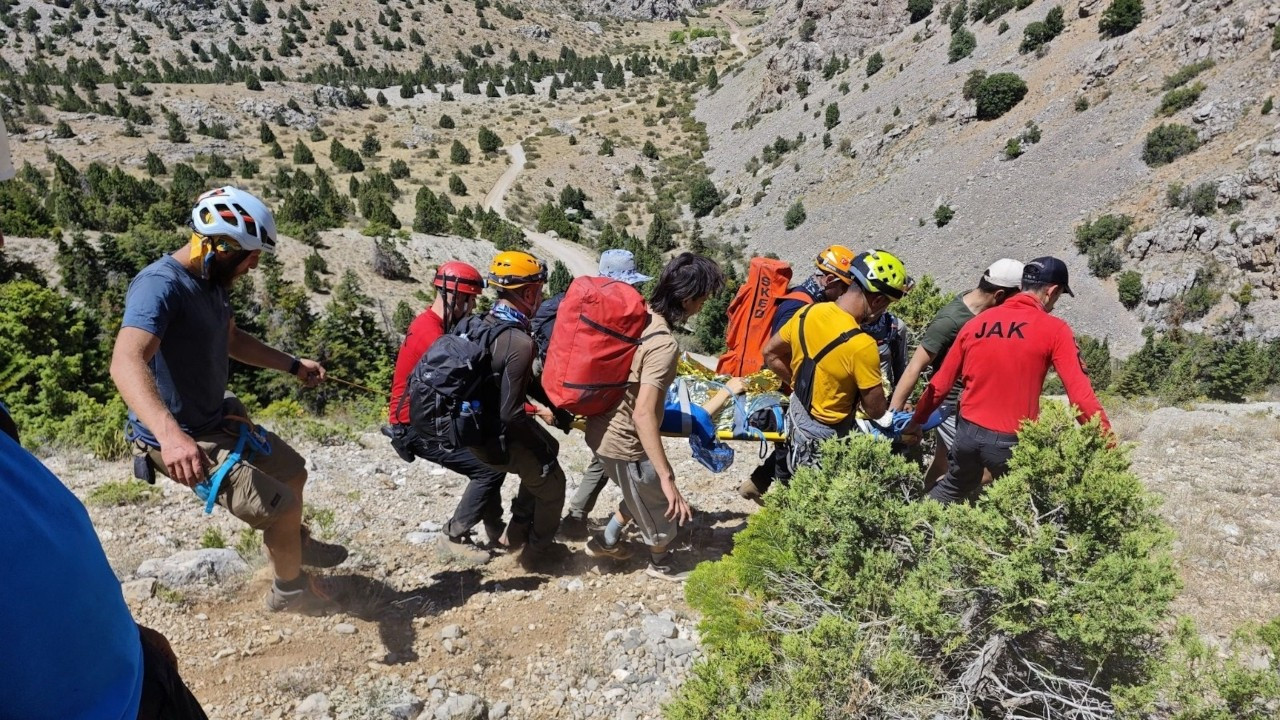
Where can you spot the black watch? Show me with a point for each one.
(295, 366)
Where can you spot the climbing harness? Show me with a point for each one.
(253, 436)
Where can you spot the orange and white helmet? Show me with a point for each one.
(233, 213)
(837, 260)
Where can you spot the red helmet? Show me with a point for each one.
(457, 276)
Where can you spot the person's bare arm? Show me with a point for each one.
(648, 419)
(907, 383)
(777, 357)
(182, 457)
(733, 386)
(252, 351)
(874, 404)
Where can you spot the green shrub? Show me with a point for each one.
(1268, 103)
(488, 140)
(807, 29)
(919, 9)
(459, 154)
(212, 538)
(63, 131)
(963, 43)
(795, 216)
(874, 63)
(1186, 74)
(703, 197)
(972, 83)
(249, 544)
(1167, 143)
(1082, 103)
(1062, 571)
(1203, 198)
(943, 214)
(1275, 38)
(832, 118)
(456, 186)
(1105, 261)
(1013, 149)
(446, 122)
(1129, 288)
(118, 493)
(998, 93)
(1102, 232)
(1179, 99)
(1120, 17)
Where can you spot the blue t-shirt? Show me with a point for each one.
(192, 318)
(69, 648)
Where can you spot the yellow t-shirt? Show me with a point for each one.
(853, 366)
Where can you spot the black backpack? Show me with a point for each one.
(802, 383)
(544, 322)
(444, 386)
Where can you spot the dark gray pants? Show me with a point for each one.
(537, 505)
(584, 499)
(975, 449)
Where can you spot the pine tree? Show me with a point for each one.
(458, 154)
(559, 279)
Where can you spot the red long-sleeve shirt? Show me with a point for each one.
(424, 330)
(1003, 355)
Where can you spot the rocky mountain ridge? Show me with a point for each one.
(907, 142)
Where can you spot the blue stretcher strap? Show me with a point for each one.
(256, 440)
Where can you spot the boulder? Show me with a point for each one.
(207, 566)
(533, 32)
(459, 707)
(706, 46)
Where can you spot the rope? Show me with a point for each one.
(354, 385)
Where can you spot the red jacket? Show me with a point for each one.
(424, 330)
(1003, 355)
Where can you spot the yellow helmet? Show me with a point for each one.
(881, 272)
(513, 269)
(836, 260)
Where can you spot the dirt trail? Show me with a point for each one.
(735, 33)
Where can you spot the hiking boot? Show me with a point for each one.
(597, 548)
(573, 527)
(749, 491)
(545, 558)
(312, 599)
(321, 554)
(662, 568)
(462, 548)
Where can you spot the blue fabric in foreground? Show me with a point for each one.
(70, 648)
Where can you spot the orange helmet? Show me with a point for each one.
(837, 260)
(514, 269)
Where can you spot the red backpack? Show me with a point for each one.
(599, 326)
(751, 316)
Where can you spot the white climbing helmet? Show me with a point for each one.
(232, 212)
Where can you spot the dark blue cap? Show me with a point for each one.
(1048, 271)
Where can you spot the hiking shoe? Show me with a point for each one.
(545, 558)
(663, 569)
(321, 554)
(597, 548)
(313, 599)
(573, 527)
(462, 548)
(749, 491)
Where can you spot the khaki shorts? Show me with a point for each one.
(253, 491)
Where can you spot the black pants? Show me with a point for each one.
(774, 467)
(164, 695)
(481, 500)
(975, 449)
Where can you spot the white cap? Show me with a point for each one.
(1004, 273)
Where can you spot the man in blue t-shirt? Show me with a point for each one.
(170, 364)
(71, 649)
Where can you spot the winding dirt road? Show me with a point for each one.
(735, 33)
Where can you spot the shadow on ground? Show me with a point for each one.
(395, 610)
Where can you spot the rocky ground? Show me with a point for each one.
(423, 637)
